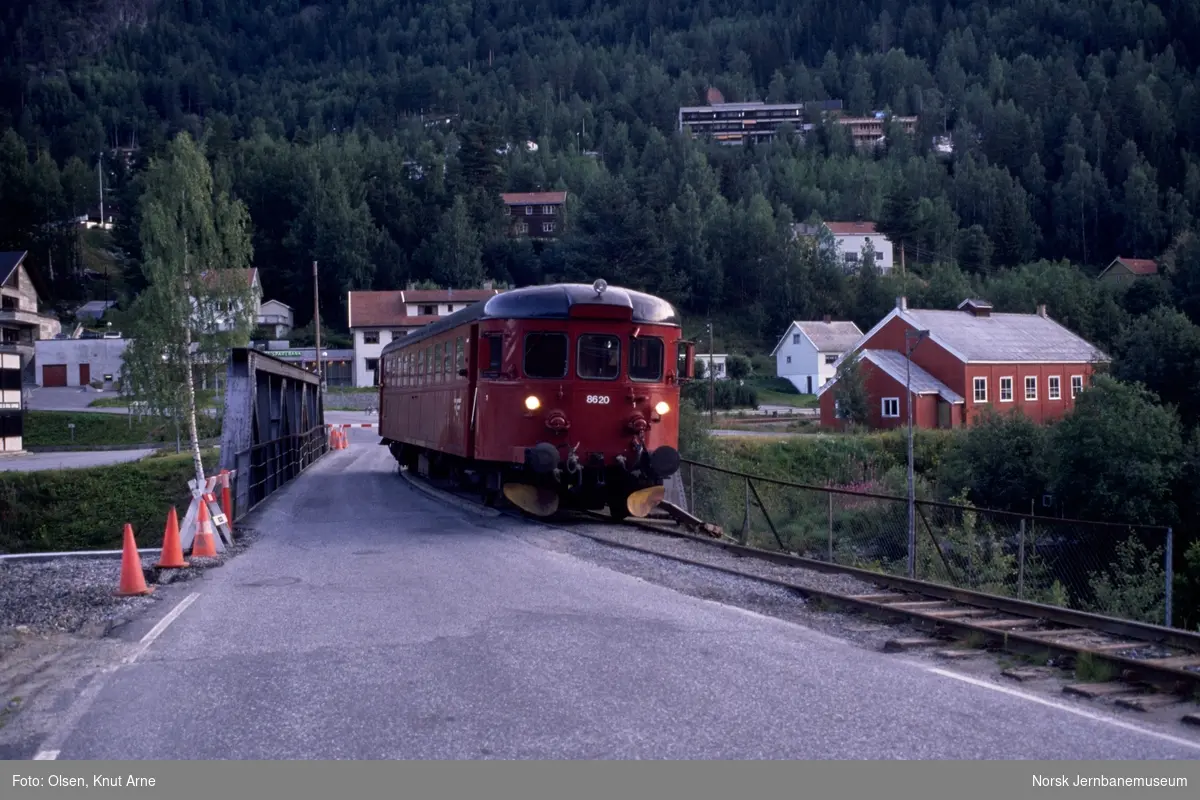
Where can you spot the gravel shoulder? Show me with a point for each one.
(61, 622)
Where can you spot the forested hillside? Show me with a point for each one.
(1076, 127)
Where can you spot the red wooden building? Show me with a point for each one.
(967, 360)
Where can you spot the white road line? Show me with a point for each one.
(157, 630)
(1079, 712)
(53, 744)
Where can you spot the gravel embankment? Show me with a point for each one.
(78, 595)
(746, 593)
(695, 551)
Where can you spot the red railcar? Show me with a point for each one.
(558, 395)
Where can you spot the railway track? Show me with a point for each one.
(1138, 665)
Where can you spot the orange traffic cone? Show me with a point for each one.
(203, 545)
(133, 580)
(172, 551)
(226, 501)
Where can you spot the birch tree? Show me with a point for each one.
(196, 254)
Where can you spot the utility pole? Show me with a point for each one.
(317, 327)
(100, 174)
(908, 401)
(712, 408)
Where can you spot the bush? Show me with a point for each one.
(86, 509)
(727, 394)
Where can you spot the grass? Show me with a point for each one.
(1088, 669)
(205, 398)
(49, 429)
(86, 509)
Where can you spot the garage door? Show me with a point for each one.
(54, 375)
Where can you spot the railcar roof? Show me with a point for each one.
(548, 302)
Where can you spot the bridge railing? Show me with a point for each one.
(1122, 570)
(266, 468)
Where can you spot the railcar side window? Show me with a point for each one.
(460, 357)
(491, 354)
(599, 356)
(646, 359)
(545, 355)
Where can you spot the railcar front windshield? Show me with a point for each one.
(646, 359)
(545, 355)
(599, 357)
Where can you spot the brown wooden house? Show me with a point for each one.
(536, 215)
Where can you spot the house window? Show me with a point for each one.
(523, 228)
(371, 337)
(1055, 388)
(1031, 388)
(1006, 395)
(428, 311)
(1076, 385)
(795, 338)
(449, 308)
(548, 210)
(547, 227)
(980, 390)
(891, 406)
(789, 359)
(373, 368)
(831, 358)
(529, 211)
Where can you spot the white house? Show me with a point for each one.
(849, 240)
(808, 351)
(276, 316)
(375, 318)
(225, 321)
(717, 363)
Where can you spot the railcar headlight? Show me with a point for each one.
(662, 408)
(532, 403)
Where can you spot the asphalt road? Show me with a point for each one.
(370, 622)
(35, 462)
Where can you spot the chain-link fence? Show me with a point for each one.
(267, 467)
(1117, 570)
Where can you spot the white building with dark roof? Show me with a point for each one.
(807, 351)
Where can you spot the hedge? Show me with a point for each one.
(86, 509)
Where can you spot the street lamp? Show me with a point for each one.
(915, 337)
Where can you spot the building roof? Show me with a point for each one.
(900, 369)
(95, 307)
(852, 228)
(998, 338)
(1138, 266)
(249, 275)
(828, 337)
(10, 261)
(387, 309)
(534, 198)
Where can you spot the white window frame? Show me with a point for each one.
(795, 338)
(1009, 380)
(1054, 387)
(977, 384)
(529, 211)
(1028, 398)
(1075, 392)
(547, 227)
(883, 408)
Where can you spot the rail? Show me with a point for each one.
(1113, 569)
(265, 468)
